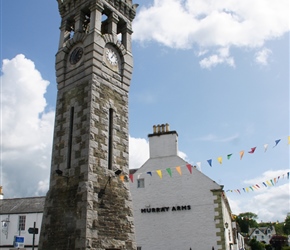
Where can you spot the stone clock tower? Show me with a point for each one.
(88, 205)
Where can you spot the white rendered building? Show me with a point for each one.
(17, 216)
(175, 205)
(262, 234)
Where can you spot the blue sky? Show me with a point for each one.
(216, 71)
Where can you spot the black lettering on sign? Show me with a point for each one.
(165, 209)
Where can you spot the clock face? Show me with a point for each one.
(76, 55)
(111, 56)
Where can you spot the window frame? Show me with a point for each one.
(141, 183)
(21, 222)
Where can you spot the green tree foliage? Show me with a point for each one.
(256, 245)
(279, 228)
(246, 220)
(286, 227)
(268, 247)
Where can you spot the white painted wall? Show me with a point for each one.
(7, 239)
(172, 230)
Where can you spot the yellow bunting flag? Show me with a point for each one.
(159, 172)
(178, 169)
(242, 154)
(269, 183)
(122, 177)
(220, 159)
(289, 139)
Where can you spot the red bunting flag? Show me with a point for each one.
(131, 176)
(252, 150)
(189, 167)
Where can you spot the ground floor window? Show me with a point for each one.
(21, 222)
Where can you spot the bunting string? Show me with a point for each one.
(267, 183)
(209, 161)
(170, 170)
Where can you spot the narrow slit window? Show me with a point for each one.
(110, 139)
(71, 122)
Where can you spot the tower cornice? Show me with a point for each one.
(125, 7)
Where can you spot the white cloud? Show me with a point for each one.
(213, 24)
(272, 204)
(262, 56)
(269, 203)
(138, 152)
(222, 57)
(212, 137)
(26, 128)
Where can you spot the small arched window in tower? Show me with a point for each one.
(86, 21)
(105, 23)
(70, 29)
(121, 29)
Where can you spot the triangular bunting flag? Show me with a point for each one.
(241, 154)
(264, 184)
(159, 172)
(178, 169)
(276, 142)
(289, 140)
(199, 165)
(150, 173)
(252, 150)
(268, 182)
(122, 177)
(272, 182)
(189, 167)
(229, 156)
(131, 177)
(209, 162)
(265, 147)
(169, 171)
(220, 159)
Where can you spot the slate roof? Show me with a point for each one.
(22, 205)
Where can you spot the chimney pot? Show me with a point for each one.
(167, 127)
